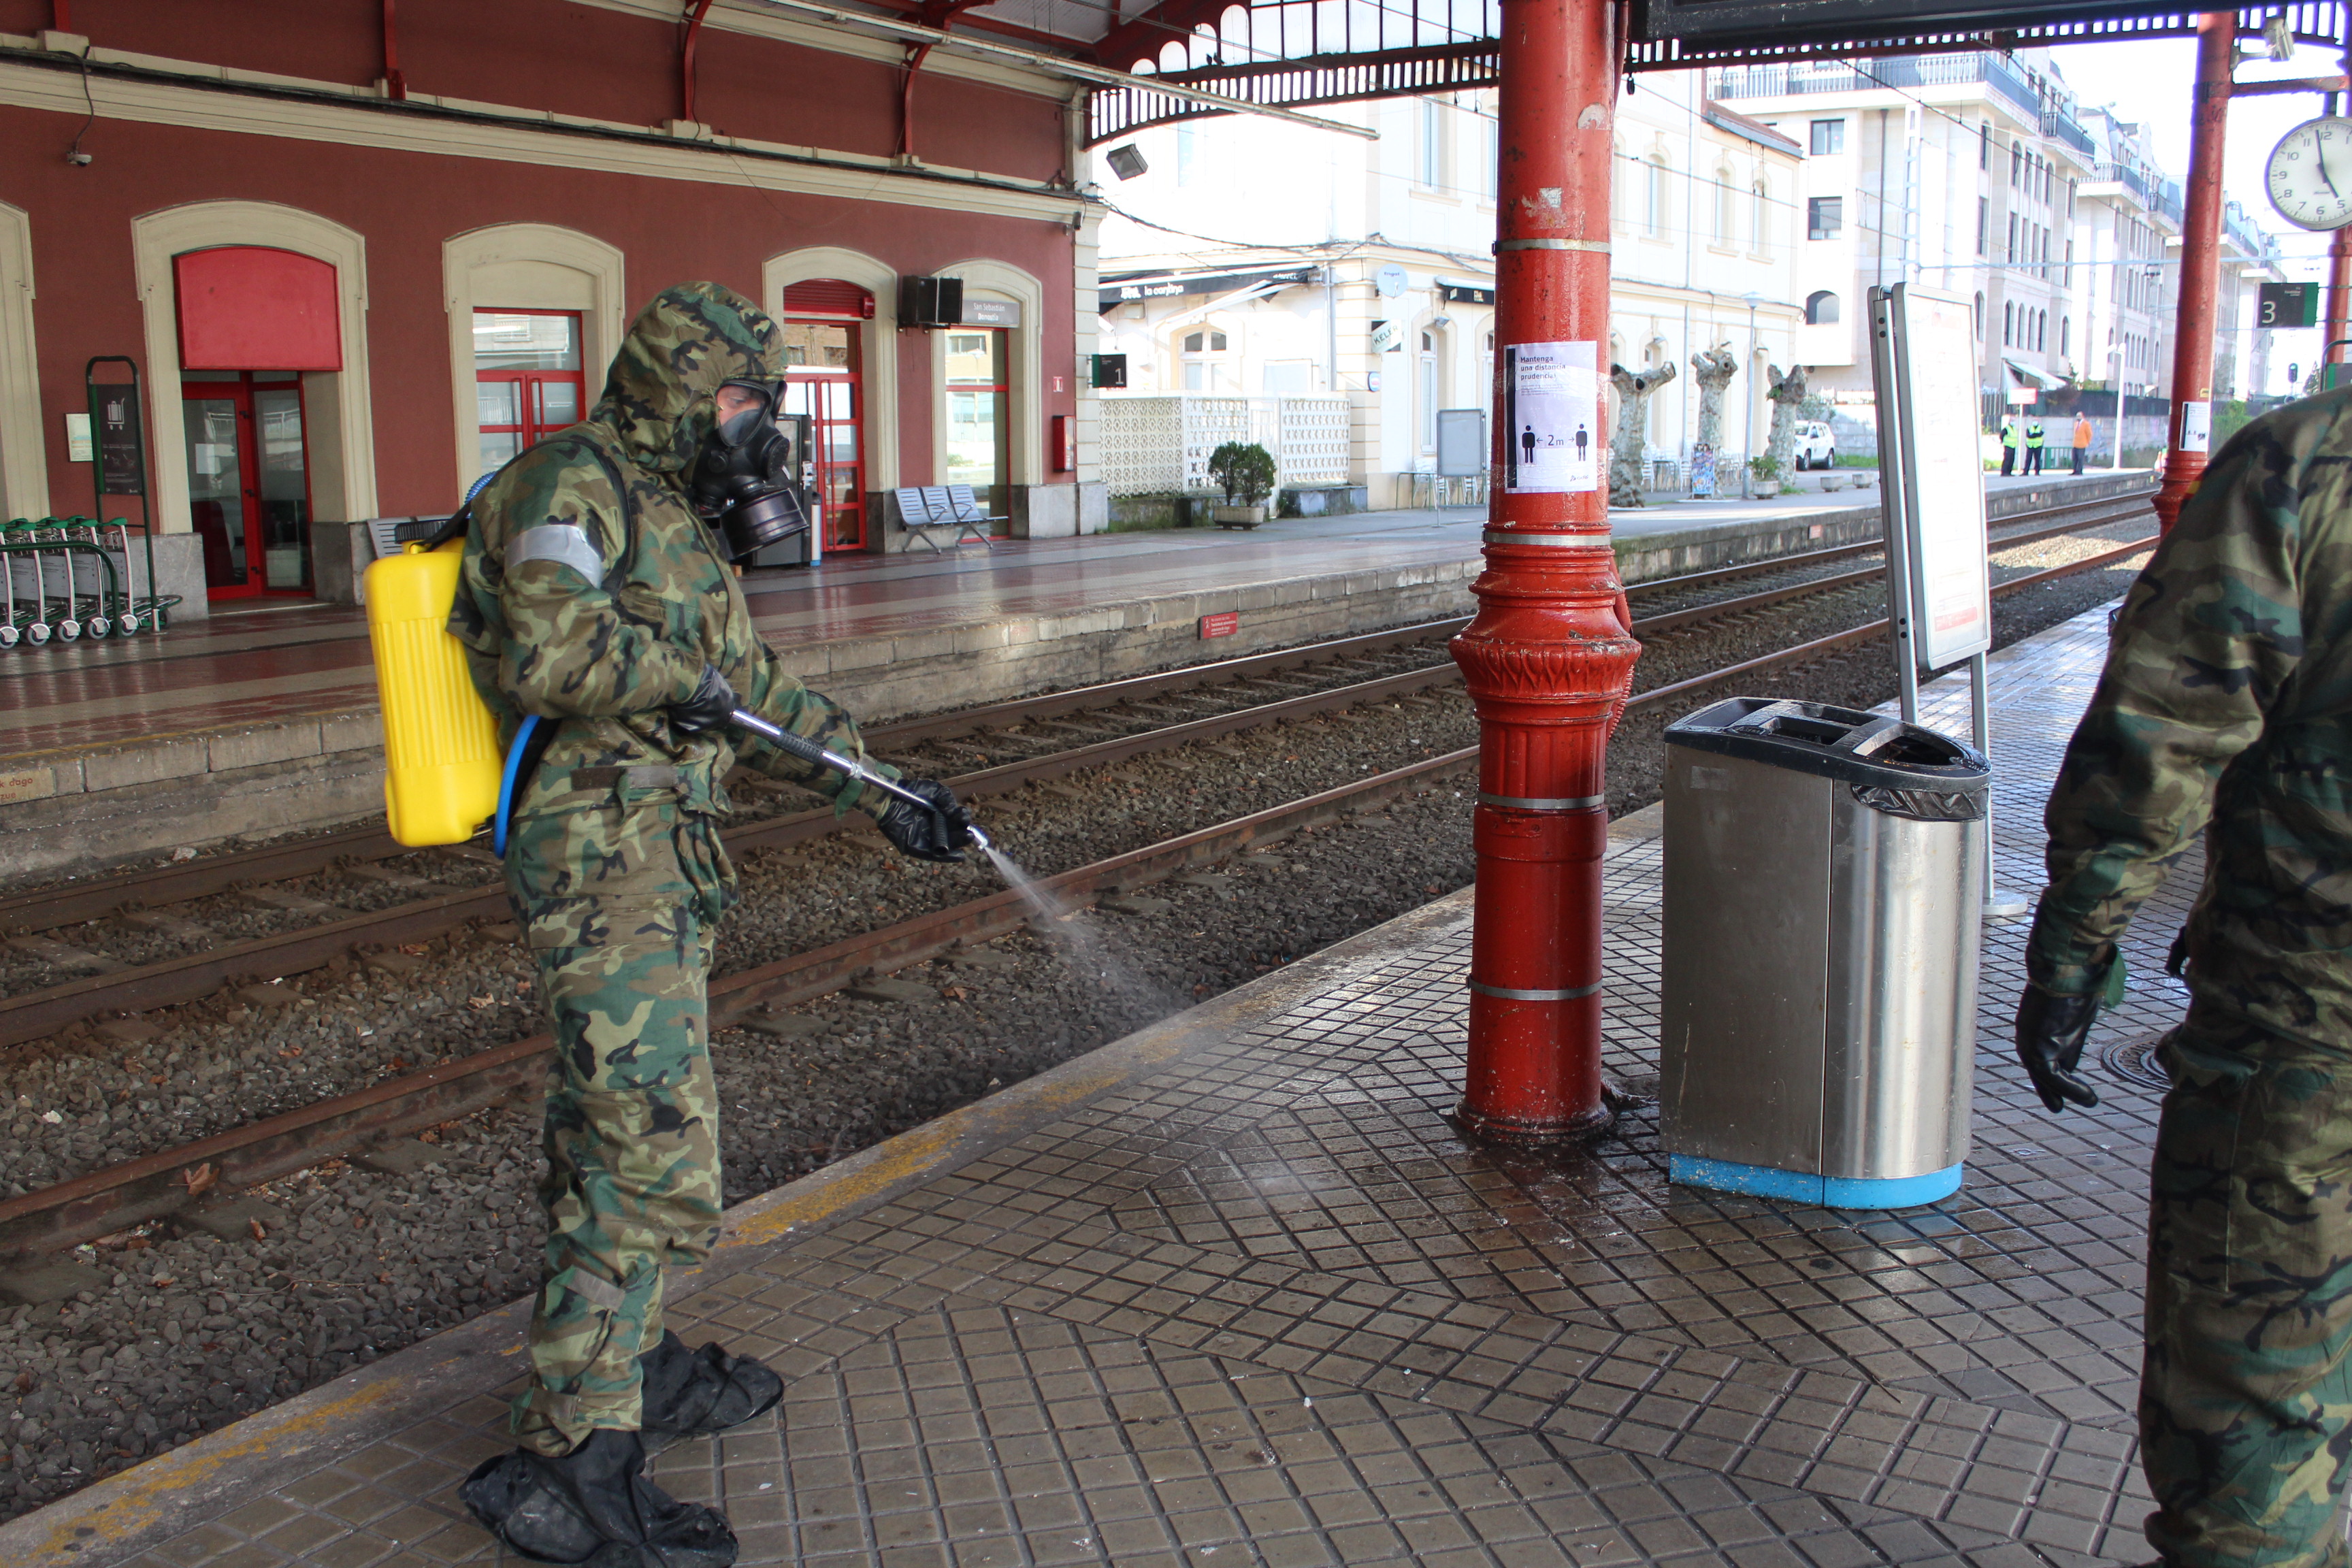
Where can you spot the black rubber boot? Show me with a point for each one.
(690, 1393)
(595, 1509)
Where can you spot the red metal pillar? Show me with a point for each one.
(1549, 658)
(2338, 322)
(2200, 268)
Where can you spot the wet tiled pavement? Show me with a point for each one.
(1234, 1292)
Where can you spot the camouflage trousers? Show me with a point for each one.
(632, 1122)
(2246, 1393)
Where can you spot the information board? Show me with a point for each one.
(121, 454)
(1461, 443)
(1924, 352)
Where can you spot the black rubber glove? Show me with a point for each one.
(2050, 1031)
(939, 834)
(713, 702)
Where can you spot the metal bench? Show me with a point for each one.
(923, 508)
(971, 517)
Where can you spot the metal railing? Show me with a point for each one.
(2060, 126)
(2155, 193)
(1796, 78)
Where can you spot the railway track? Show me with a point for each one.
(120, 1196)
(110, 986)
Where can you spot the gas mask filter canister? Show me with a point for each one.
(743, 482)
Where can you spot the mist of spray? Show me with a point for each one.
(1081, 943)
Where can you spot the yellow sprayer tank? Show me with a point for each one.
(440, 742)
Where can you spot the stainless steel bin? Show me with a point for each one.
(1824, 890)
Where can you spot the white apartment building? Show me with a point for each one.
(1279, 261)
(1977, 174)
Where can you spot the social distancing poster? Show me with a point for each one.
(1552, 395)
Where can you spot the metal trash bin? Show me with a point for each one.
(1824, 893)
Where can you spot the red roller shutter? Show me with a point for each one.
(828, 299)
(247, 307)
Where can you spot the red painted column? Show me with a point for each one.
(1547, 660)
(2338, 324)
(2200, 268)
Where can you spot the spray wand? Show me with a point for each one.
(808, 751)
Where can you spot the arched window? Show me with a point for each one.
(1821, 308)
(1428, 392)
(1759, 225)
(1653, 217)
(2008, 325)
(1727, 211)
(1980, 315)
(1203, 359)
(2065, 336)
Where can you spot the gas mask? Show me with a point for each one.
(743, 482)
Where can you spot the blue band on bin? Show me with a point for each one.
(1811, 1187)
(1539, 803)
(1510, 994)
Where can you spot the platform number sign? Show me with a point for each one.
(2288, 305)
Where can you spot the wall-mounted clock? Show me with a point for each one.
(2310, 173)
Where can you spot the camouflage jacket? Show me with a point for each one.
(2226, 708)
(592, 593)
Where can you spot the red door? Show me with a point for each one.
(248, 479)
(824, 379)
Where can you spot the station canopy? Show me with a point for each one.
(1288, 56)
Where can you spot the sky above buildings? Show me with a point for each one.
(2150, 82)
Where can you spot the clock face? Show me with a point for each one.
(2310, 175)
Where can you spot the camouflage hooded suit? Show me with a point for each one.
(2226, 708)
(593, 595)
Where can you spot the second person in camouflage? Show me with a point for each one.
(593, 596)
(2226, 710)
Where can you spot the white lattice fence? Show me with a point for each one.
(1156, 443)
(1310, 447)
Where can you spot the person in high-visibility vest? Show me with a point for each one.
(2082, 439)
(2034, 439)
(2007, 447)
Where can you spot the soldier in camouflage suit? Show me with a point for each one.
(592, 593)
(2226, 710)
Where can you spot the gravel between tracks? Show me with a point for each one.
(187, 1332)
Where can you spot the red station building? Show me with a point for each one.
(361, 253)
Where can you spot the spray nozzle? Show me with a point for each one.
(808, 751)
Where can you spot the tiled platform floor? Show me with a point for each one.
(1235, 1292)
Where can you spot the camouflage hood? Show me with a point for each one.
(658, 393)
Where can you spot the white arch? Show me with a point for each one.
(878, 345)
(1026, 398)
(336, 406)
(23, 457)
(527, 267)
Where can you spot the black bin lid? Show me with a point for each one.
(1867, 750)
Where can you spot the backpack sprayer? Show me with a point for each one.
(444, 775)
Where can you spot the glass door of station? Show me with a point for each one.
(528, 381)
(248, 479)
(978, 432)
(823, 381)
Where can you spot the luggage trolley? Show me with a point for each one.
(28, 615)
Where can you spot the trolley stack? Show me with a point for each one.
(66, 578)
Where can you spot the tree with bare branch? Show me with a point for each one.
(1626, 448)
(1788, 395)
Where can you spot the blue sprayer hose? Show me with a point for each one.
(510, 779)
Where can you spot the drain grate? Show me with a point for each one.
(2134, 1061)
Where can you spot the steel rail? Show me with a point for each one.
(2123, 506)
(46, 909)
(100, 1203)
(189, 977)
(1723, 607)
(1837, 640)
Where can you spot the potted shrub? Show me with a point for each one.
(1244, 471)
(1764, 472)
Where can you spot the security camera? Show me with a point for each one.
(78, 160)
